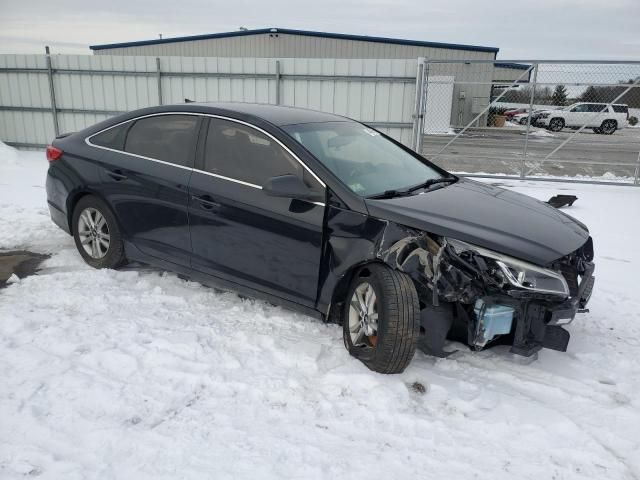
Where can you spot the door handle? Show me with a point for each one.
(206, 202)
(117, 175)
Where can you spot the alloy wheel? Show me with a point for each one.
(93, 232)
(608, 127)
(363, 316)
(556, 125)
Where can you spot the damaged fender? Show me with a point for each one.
(460, 296)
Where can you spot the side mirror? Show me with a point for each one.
(291, 186)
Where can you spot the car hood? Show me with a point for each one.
(488, 216)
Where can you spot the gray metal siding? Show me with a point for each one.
(101, 85)
(300, 46)
(501, 74)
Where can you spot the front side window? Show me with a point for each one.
(581, 108)
(239, 152)
(170, 138)
(364, 160)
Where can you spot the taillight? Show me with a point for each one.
(53, 153)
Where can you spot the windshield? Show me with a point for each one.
(360, 157)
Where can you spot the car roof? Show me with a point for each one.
(603, 103)
(275, 114)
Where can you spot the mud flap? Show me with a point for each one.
(556, 338)
(559, 201)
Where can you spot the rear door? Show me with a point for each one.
(239, 233)
(145, 176)
(598, 113)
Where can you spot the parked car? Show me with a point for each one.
(521, 118)
(324, 215)
(513, 112)
(600, 117)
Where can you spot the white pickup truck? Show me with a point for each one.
(600, 117)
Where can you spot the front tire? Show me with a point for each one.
(97, 234)
(556, 124)
(381, 319)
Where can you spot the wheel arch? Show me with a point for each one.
(340, 290)
(338, 295)
(76, 196)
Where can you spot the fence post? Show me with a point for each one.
(277, 82)
(159, 78)
(531, 101)
(52, 93)
(636, 176)
(423, 104)
(417, 107)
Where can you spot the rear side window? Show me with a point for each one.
(112, 138)
(597, 108)
(620, 108)
(242, 153)
(170, 138)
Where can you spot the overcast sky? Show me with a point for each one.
(553, 29)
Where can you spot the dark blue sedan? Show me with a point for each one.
(328, 216)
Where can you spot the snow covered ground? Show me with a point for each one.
(138, 374)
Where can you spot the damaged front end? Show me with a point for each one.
(483, 298)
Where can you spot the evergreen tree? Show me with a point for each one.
(559, 96)
(590, 94)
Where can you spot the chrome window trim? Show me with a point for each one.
(304, 165)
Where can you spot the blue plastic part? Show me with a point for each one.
(491, 320)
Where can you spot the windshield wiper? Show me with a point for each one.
(409, 191)
(390, 194)
(430, 182)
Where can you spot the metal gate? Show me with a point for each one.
(488, 140)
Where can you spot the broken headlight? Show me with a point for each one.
(514, 272)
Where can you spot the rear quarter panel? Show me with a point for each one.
(73, 174)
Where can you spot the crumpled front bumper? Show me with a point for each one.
(539, 324)
(458, 301)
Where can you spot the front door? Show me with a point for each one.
(578, 115)
(145, 176)
(239, 233)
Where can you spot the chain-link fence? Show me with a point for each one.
(532, 119)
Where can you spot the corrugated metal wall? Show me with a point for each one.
(503, 74)
(304, 46)
(89, 89)
(295, 46)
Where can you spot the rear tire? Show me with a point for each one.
(609, 127)
(381, 319)
(556, 124)
(97, 233)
